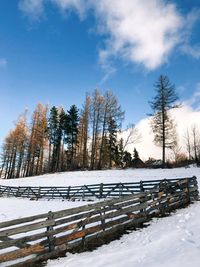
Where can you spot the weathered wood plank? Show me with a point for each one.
(26, 228)
(17, 242)
(20, 253)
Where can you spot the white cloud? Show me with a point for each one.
(187, 48)
(143, 32)
(193, 51)
(80, 6)
(195, 98)
(3, 62)
(138, 32)
(35, 8)
(32, 8)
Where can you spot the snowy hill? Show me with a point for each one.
(168, 242)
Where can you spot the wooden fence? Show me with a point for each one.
(27, 241)
(94, 191)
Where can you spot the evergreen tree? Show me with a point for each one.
(127, 159)
(162, 125)
(72, 133)
(60, 139)
(62, 129)
(112, 140)
(135, 154)
(53, 123)
(120, 152)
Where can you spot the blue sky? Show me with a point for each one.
(54, 51)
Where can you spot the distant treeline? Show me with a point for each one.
(58, 140)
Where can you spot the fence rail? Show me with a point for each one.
(94, 191)
(26, 241)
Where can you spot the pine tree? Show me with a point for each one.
(127, 159)
(72, 134)
(135, 154)
(62, 124)
(120, 152)
(52, 135)
(162, 125)
(112, 139)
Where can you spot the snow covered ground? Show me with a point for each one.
(168, 242)
(96, 177)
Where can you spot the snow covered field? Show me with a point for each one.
(96, 177)
(169, 242)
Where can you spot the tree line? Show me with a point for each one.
(57, 140)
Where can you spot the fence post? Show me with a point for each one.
(39, 190)
(28, 191)
(195, 193)
(141, 186)
(83, 238)
(188, 190)
(68, 192)
(18, 189)
(165, 187)
(120, 189)
(50, 236)
(101, 190)
(83, 194)
(168, 191)
(141, 198)
(102, 213)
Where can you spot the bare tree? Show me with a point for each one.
(38, 138)
(14, 149)
(96, 114)
(111, 111)
(187, 139)
(133, 136)
(83, 132)
(195, 142)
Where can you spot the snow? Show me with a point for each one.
(96, 177)
(172, 241)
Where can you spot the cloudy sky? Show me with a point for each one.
(54, 51)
